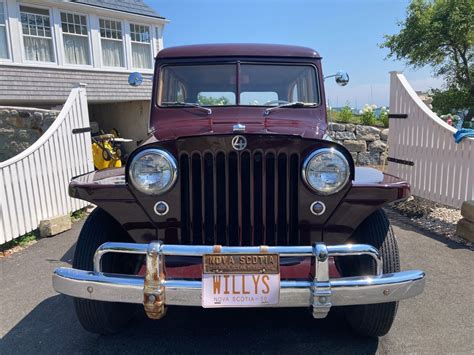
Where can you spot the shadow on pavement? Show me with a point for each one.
(52, 327)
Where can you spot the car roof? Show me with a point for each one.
(238, 50)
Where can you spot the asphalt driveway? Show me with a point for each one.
(34, 319)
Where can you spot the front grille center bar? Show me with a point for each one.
(155, 279)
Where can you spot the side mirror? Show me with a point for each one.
(135, 79)
(342, 78)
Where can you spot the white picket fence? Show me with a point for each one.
(443, 171)
(34, 183)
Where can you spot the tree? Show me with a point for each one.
(447, 101)
(439, 33)
(213, 101)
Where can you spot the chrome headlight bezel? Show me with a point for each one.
(316, 153)
(165, 155)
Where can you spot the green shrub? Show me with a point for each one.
(345, 116)
(368, 115)
(384, 117)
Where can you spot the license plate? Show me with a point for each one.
(240, 280)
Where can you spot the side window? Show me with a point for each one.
(302, 90)
(112, 43)
(75, 38)
(174, 91)
(37, 34)
(141, 46)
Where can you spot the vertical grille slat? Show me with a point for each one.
(293, 200)
(185, 204)
(221, 200)
(208, 183)
(196, 199)
(233, 226)
(245, 225)
(282, 199)
(258, 206)
(270, 199)
(239, 198)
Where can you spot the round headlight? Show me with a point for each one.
(153, 171)
(326, 171)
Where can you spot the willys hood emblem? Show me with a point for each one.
(239, 143)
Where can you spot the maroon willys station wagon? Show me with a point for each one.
(238, 198)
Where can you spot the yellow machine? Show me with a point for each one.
(105, 153)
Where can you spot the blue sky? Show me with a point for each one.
(344, 32)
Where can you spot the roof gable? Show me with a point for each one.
(137, 7)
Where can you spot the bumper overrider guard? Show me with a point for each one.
(155, 291)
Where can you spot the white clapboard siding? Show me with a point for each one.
(34, 183)
(443, 171)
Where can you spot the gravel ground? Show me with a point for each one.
(433, 217)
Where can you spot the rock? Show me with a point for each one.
(355, 145)
(354, 157)
(384, 134)
(23, 135)
(383, 158)
(368, 158)
(336, 126)
(467, 210)
(350, 127)
(367, 133)
(465, 229)
(36, 121)
(15, 121)
(6, 132)
(47, 121)
(4, 114)
(345, 135)
(24, 114)
(54, 225)
(378, 146)
(13, 113)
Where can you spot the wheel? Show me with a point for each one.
(98, 316)
(372, 320)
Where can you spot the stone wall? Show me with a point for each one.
(367, 144)
(21, 127)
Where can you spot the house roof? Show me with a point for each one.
(238, 50)
(137, 7)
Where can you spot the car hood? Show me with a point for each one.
(309, 125)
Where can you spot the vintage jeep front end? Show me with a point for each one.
(237, 199)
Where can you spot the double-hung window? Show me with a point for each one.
(3, 33)
(75, 39)
(112, 43)
(141, 46)
(37, 36)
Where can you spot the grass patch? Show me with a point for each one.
(78, 215)
(21, 242)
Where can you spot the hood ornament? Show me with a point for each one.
(239, 143)
(239, 127)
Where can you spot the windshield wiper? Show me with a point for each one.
(187, 104)
(289, 105)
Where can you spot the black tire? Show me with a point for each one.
(372, 320)
(98, 316)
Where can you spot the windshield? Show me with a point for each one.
(258, 85)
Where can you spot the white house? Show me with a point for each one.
(48, 46)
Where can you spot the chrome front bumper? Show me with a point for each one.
(155, 291)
